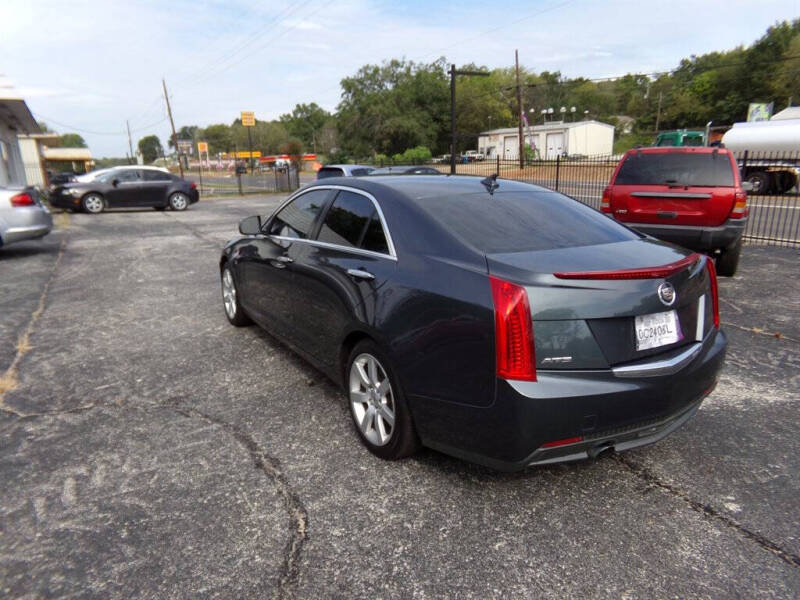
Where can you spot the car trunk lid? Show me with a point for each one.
(591, 305)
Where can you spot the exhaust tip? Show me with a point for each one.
(604, 448)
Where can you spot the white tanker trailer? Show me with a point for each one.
(768, 153)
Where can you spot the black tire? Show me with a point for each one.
(93, 203)
(761, 182)
(728, 260)
(784, 181)
(230, 304)
(403, 440)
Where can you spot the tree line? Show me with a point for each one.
(399, 105)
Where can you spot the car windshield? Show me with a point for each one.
(524, 221)
(701, 169)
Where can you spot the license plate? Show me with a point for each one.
(657, 329)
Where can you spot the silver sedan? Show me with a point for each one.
(23, 215)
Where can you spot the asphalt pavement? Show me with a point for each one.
(150, 449)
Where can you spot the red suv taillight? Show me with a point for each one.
(712, 276)
(739, 205)
(513, 330)
(605, 203)
(193, 185)
(23, 199)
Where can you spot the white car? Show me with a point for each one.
(23, 215)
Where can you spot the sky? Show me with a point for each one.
(87, 66)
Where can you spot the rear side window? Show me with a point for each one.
(709, 169)
(524, 221)
(156, 175)
(326, 172)
(296, 219)
(362, 172)
(352, 221)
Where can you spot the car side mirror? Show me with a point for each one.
(115, 183)
(250, 225)
(747, 186)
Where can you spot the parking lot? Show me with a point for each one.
(149, 449)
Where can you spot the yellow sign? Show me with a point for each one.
(202, 147)
(245, 154)
(248, 118)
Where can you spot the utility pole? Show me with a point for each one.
(519, 116)
(172, 124)
(453, 132)
(658, 113)
(130, 143)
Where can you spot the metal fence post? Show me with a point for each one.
(498, 165)
(558, 168)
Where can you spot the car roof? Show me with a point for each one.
(417, 187)
(678, 150)
(348, 167)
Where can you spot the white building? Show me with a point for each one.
(580, 138)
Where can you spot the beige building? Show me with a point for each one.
(15, 119)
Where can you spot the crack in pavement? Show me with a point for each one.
(9, 380)
(298, 516)
(708, 511)
(760, 331)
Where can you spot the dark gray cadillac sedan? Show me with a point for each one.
(496, 321)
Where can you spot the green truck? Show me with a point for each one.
(681, 137)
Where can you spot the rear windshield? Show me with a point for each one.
(524, 221)
(710, 169)
(362, 172)
(326, 172)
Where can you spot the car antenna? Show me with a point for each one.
(490, 183)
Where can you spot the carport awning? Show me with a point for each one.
(67, 154)
(17, 116)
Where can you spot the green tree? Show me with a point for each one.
(306, 122)
(72, 140)
(150, 148)
(219, 138)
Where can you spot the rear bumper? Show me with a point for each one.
(702, 239)
(607, 411)
(27, 223)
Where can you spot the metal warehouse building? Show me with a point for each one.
(587, 138)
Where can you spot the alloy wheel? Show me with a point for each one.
(229, 294)
(93, 204)
(178, 201)
(371, 399)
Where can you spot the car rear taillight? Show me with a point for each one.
(23, 199)
(712, 276)
(605, 203)
(564, 442)
(193, 185)
(645, 273)
(513, 330)
(739, 205)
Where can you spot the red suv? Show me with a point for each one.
(692, 197)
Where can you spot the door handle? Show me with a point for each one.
(360, 274)
(285, 259)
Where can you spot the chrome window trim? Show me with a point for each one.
(389, 242)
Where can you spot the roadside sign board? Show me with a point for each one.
(202, 147)
(246, 154)
(185, 147)
(248, 118)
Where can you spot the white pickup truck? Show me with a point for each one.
(473, 155)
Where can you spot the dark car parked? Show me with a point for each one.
(126, 187)
(499, 322)
(690, 196)
(329, 171)
(406, 170)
